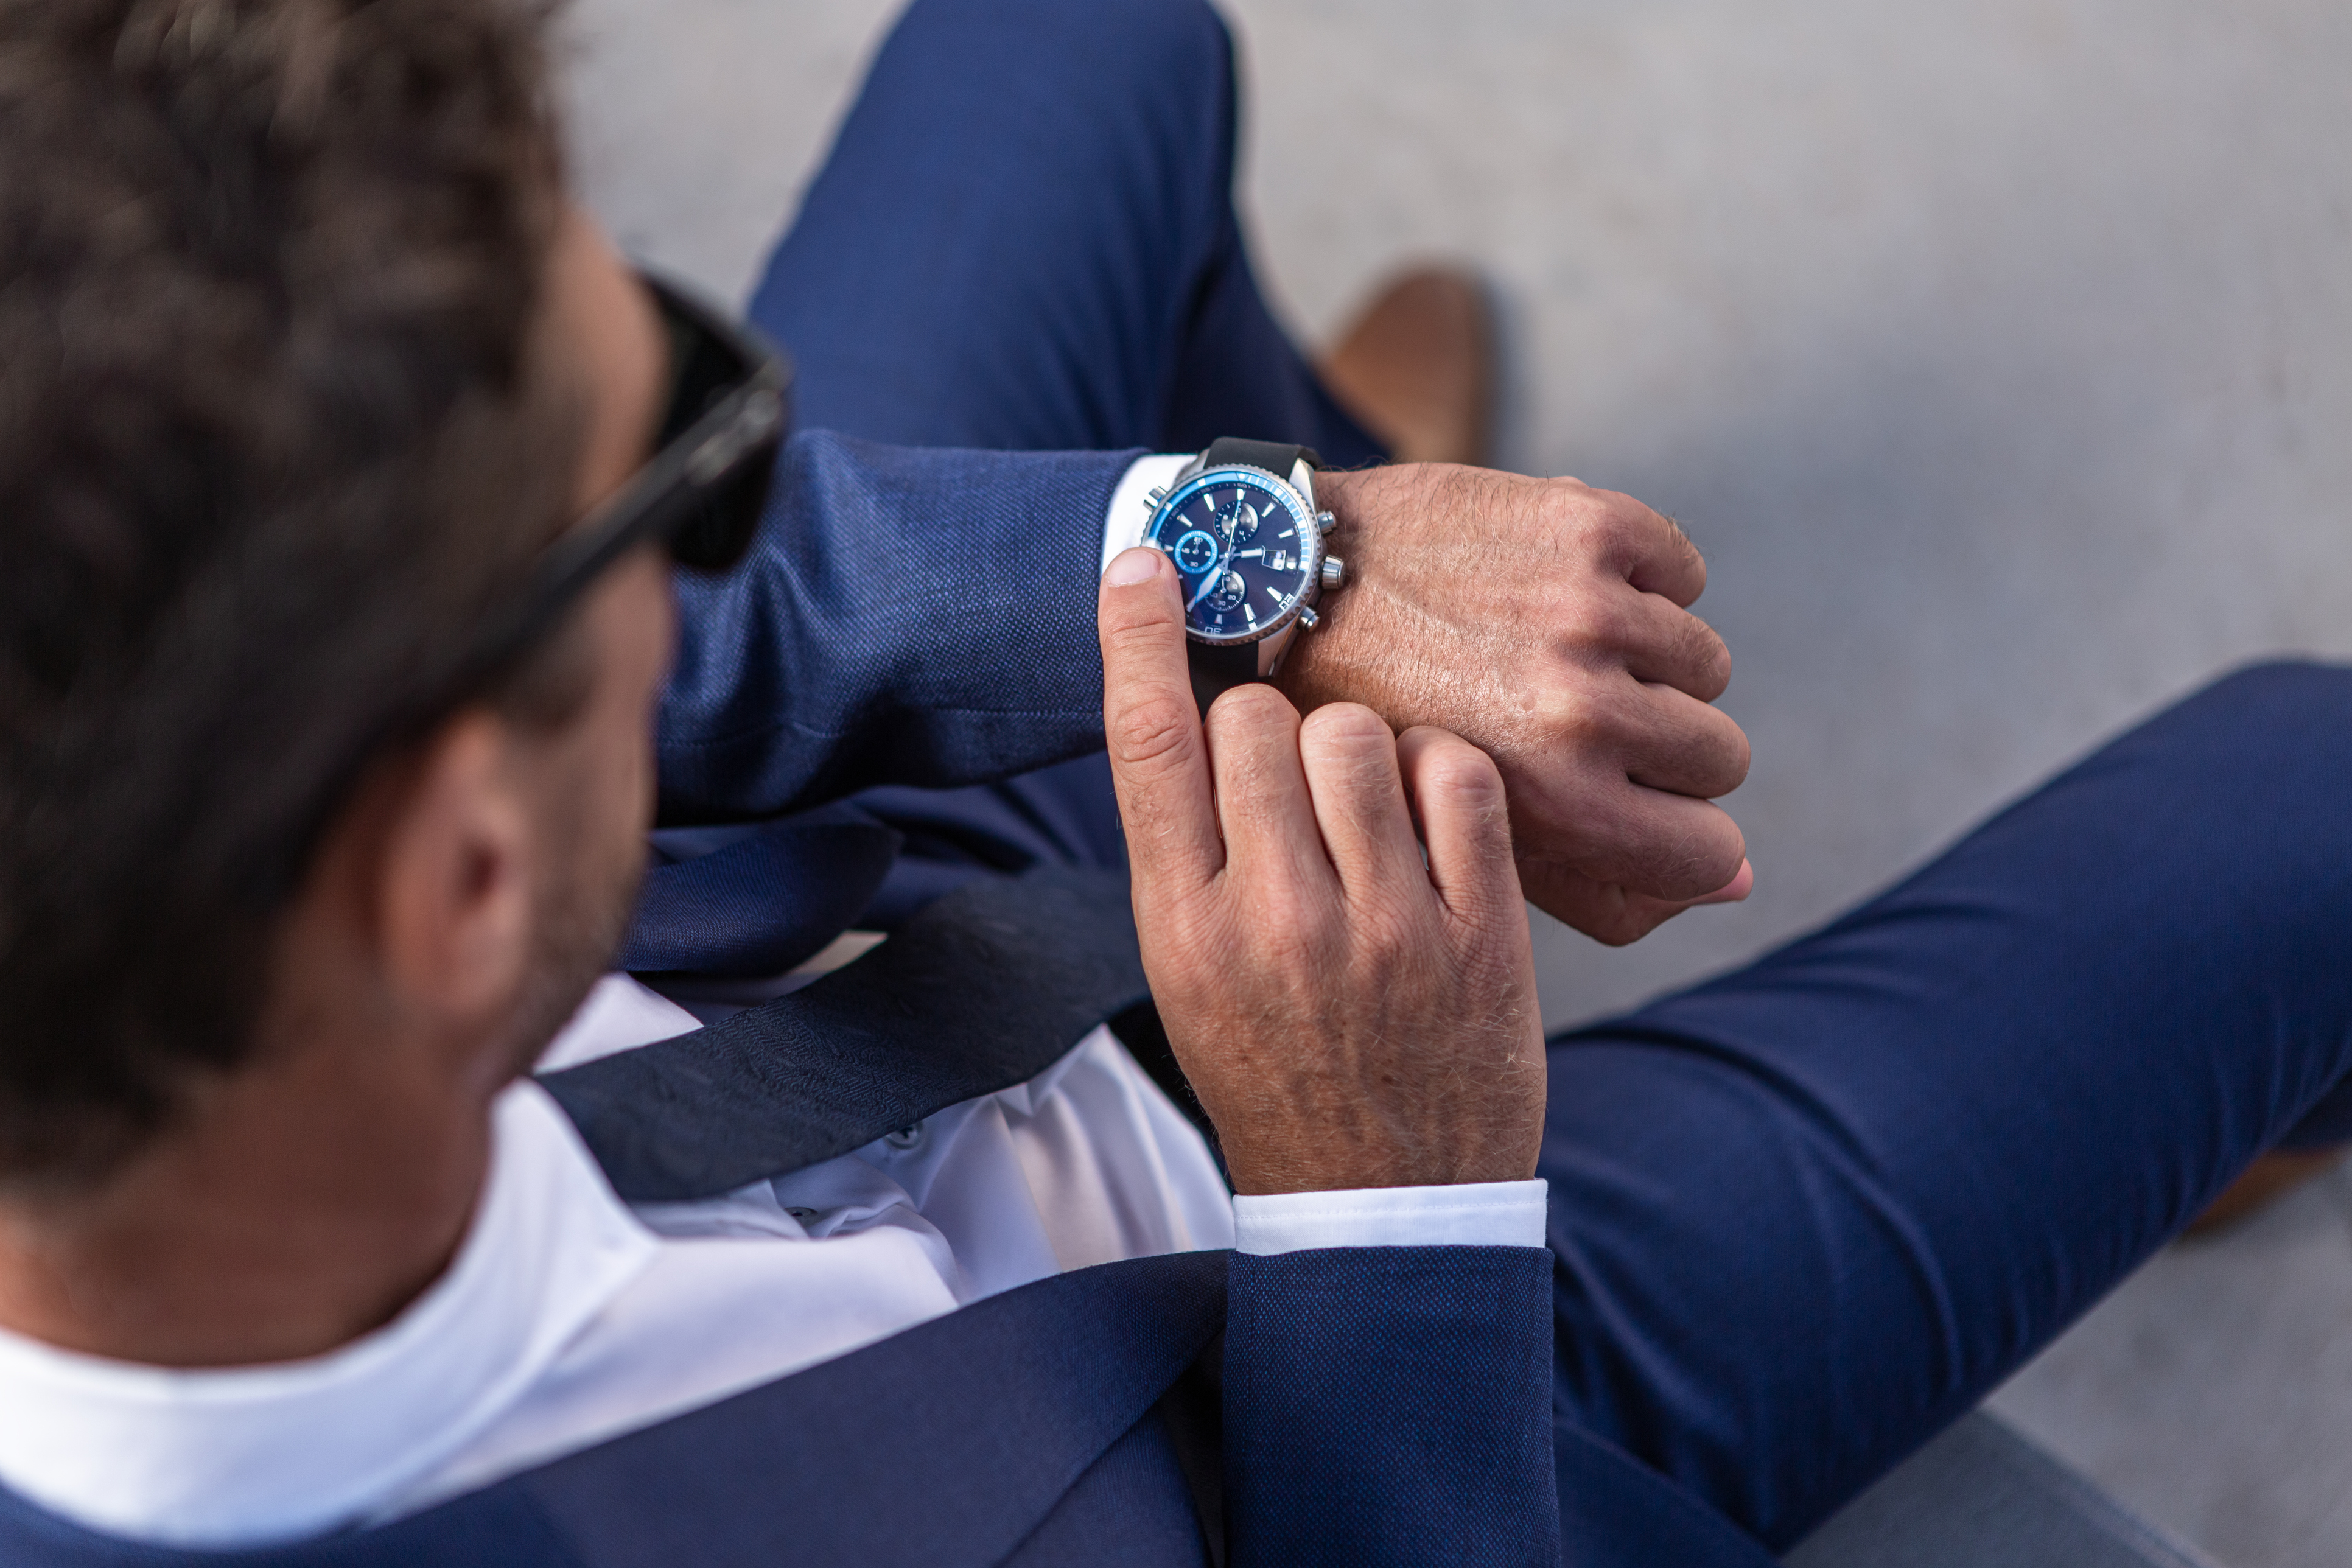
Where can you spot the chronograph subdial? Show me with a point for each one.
(1241, 520)
(1196, 552)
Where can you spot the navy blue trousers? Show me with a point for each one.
(1809, 1213)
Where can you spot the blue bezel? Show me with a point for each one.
(1301, 575)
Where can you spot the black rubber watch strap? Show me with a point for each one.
(1217, 668)
(1272, 456)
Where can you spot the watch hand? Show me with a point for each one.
(1217, 574)
(1257, 555)
(1207, 581)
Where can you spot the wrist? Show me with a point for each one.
(1326, 666)
(1341, 1153)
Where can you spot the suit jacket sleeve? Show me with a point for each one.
(907, 616)
(1390, 1405)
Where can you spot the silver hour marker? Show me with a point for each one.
(1285, 534)
(1275, 594)
(1251, 611)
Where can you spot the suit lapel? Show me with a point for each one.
(943, 1447)
(985, 988)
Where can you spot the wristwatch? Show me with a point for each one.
(1240, 523)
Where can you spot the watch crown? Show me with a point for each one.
(1325, 521)
(1335, 572)
(1307, 617)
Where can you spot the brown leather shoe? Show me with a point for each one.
(1418, 368)
(2264, 1183)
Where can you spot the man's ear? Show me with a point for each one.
(453, 893)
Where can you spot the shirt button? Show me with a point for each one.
(801, 1216)
(907, 1139)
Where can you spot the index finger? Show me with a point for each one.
(1152, 728)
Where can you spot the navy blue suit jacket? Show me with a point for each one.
(928, 617)
(1378, 1406)
(908, 616)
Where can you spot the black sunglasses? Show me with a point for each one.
(703, 490)
(701, 494)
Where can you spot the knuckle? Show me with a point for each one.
(1253, 710)
(1708, 651)
(1283, 910)
(1386, 936)
(1621, 525)
(1347, 723)
(1462, 775)
(1346, 734)
(1608, 625)
(1152, 735)
(1580, 718)
(1130, 630)
(1291, 934)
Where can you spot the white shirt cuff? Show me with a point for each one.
(1123, 529)
(1475, 1214)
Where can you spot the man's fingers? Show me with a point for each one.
(1666, 645)
(1663, 845)
(1350, 758)
(1465, 820)
(1158, 760)
(1686, 747)
(1605, 912)
(1271, 836)
(1658, 557)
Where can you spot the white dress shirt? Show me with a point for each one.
(568, 1317)
(1123, 525)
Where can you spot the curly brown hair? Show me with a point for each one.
(271, 438)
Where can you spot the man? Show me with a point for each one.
(298, 881)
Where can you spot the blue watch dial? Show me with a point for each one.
(1245, 551)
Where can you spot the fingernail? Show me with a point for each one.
(1743, 882)
(1129, 567)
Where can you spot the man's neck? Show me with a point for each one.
(294, 1206)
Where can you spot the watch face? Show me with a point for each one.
(1245, 551)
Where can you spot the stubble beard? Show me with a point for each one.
(581, 919)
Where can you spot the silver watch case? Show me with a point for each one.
(1296, 493)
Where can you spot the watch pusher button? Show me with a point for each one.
(1335, 572)
(1153, 497)
(1307, 617)
(1325, 521)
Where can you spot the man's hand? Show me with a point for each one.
(1548, 622)
(1349, 1017)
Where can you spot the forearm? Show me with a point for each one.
(906, 616)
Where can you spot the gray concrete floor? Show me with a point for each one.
(1998, 352)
